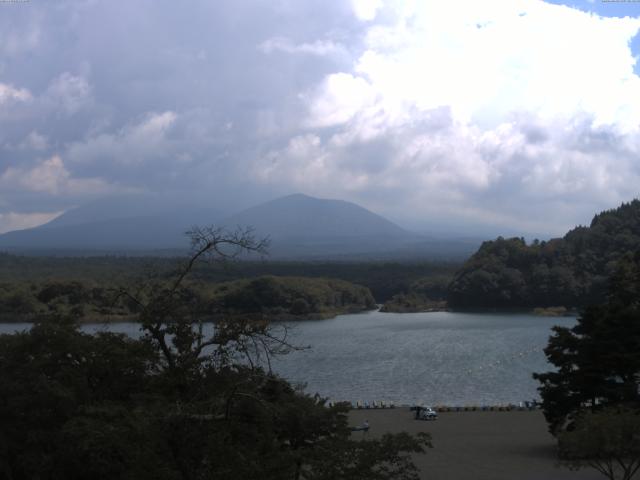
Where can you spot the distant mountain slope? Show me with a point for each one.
(112, 208)
(307, 218)
(300, 228)
(303, 227)
(113, 225)
(571, 271)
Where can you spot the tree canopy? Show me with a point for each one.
(597, 360)
(571, 271)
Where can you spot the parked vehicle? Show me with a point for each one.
(425, 413)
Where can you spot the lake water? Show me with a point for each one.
(437, 357)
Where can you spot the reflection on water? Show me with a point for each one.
(441, 357)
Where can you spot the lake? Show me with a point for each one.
(436, 357)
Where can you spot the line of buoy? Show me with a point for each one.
(512, 357)
(522, 406)
(376, 404)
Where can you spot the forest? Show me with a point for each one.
(277, 298)
(31, 287)
(571, 271)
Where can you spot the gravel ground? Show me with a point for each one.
(477, 445)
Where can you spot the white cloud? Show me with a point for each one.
(133, 144)
(366, 10)
(154, 126)
(341, 97)
(302, 161)
(11, 221)
(319, 47)
(69, 92)
(52, 177)
(492, 58)
(531, 108)
(9, 93)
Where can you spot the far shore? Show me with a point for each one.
(537, 311)
(325, 315)
(477, 445)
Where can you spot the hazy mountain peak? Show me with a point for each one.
(302, 216)
(299, 225)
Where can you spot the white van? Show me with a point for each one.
(426, 413)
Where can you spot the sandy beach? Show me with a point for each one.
(478, 445)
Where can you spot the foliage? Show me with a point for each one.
(569, 272)
(425, 294)
(607, 440)
(174, 404)
(297, 296)
(276, 297)
(49, 376)
(385, 458)
(597, 360)
(384, 279)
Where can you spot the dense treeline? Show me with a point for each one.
(273, 297)
(425, 294)
(283, 297)
(569, 271)
(384, 279)
(87, 301)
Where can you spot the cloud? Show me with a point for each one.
(19, 221)
(536, 115)
(9, 93)
(318, 47)
(21, 36)
(133, 144)
(52, 177)
(514, 114)
(366, 10)
(339, 99)
(69, 92)
(35, 141)
(490, 59)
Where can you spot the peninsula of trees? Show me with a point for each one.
(275, 298)
(571, 271)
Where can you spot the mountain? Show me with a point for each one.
(304, 227)
(129, 224)
(572, 271)
(306, 218)
(300, 228)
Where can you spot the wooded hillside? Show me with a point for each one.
(569, 271)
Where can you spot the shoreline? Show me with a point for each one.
(316, 316)
(537, 311)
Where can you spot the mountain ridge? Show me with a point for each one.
(300, 227)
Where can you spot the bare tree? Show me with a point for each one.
(171, 317)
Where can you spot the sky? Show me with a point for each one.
(502, 115)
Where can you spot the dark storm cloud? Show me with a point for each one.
(154, 95)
